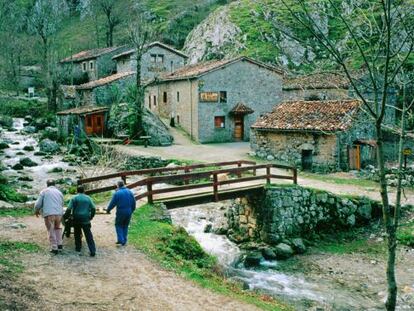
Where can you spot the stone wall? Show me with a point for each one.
(291, 211)
(313, 94)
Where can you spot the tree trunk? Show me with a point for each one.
(389, 226)
(139, 100)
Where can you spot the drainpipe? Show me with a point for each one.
(191, 108)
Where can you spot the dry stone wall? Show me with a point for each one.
(285, 212)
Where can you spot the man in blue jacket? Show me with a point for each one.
(124, 201)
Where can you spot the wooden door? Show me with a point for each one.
(88, 124)
(354, 154)
(97, 122)
(307, 160)
(238, 127)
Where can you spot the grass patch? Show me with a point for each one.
(15, 212)
(175, 250)
(9, 252)
(405, 233)
(103, 197)
(340, 181)
(9, 194)
(20, 108)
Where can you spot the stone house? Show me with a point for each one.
(158, 58)
(216, 101)
(320, 136)
(105, 91)
(89, 119)
(92, 64)
(316, 86)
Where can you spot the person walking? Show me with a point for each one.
(83, 210)
(50, 205)
(124, 201)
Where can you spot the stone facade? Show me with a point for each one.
(245, 82)
(291, 211)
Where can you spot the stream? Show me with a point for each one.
(294, 289)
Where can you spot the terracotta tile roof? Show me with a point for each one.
(163, 45)
(104, 81)
(88, 54)
(241, 108)
(322, 80)
(196, 70)
(82, 110)
(325, 116)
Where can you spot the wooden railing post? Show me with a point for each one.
(239, 173)
(149, 190)
(295, 175)
(215, 187)
(124, 178)
(186, 170)
(268, 174)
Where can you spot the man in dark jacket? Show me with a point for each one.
(82, 208)
(124, 201)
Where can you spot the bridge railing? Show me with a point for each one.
(204, 179)
(159, 170)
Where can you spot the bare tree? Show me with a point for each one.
(45, 20)
(379, 33)
(113, 18)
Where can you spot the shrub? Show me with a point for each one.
(5, 120)
(21, 108)
(405, 234)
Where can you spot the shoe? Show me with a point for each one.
(92, 254)
(54, 251)
(60, 247)
(118, 243)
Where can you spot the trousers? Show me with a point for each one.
(121, 227)
(54, 230)
(86, 228)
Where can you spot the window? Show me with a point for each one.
(153, 58)
(164, 97)
(84, 66)
(91, 65)
(223, 97)
(154, 100)
(219, 122)
(160, 58)
(178, 97)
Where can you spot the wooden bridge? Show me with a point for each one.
(196, 184)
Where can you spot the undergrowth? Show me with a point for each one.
(9, 253)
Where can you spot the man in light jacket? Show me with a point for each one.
(50, 205)
(125, 204)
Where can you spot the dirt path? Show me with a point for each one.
(116, 279)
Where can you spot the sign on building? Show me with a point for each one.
(209, 97)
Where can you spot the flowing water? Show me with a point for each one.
(295, 289)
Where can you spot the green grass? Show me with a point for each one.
(15, 212)
(21, 108)
(9, 253)
(175, 250)
(9, 194)
(340, 181)
(405, 233)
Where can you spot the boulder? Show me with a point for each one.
(208, 228)
(18, 167)
(51, 133)
(25, 178)
(298, 246)
(49, 146)
(3, 145)
(283, 251)
(28, 118)
(29, 129)
(253, 259)
(28, 148)
(27, 162)
(39, 153)
(20, 153)
(56, 170)
(15, 143)
(154, 127)
(268, 254)
(270, 158)
(5, 205)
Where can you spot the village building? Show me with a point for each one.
(87, 120)
(320, 136)
(91, 65)
(216, 101)
(316, 86)
(157, 59)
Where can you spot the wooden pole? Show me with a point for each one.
(268, 175)
(295, 176)
(149, 189)
(215, 187)
(239, 165)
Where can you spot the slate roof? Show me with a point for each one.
(82, 110)
(163, 45)
(319, 116)
(241, 108)
(88, 54)
(322, 80)
(199, 69)
(104, 81)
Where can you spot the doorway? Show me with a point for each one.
(307, 160)
(94, 124)
(238, 127)
(354, 153)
